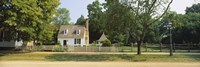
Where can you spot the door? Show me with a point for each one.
(64, 42)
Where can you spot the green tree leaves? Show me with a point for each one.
(193, 9)
(29, 18)
(80, 21)
(62, 18)
(127, 19)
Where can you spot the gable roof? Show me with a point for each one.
(103, 37)
(71, 31)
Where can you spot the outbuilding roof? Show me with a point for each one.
(103, 37)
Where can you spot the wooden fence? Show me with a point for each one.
(145, 48)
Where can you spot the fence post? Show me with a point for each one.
(99, 49)
(73, 48)
(120, 47)
(146, 46)
(131, 47)
(174, 45)
(160, 47)
(110, 48)
(85, 48)
(189, 47)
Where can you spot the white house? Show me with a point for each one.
(74, 35)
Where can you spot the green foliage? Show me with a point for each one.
(29, 18)
(195, 8)
(96, 20)
(189, 33)
(139, 17)
(62, 18)
(58, 43)
(58, 48)
(185, 26)
(106, 43)
(133, 24)
(158, 30)
(94, 43)
(80, 21)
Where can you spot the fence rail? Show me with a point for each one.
(145, 48)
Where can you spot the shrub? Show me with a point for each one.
(106, 43)
(58, 43)
(58, 49)
(94, 44)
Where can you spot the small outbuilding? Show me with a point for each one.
(102, 38)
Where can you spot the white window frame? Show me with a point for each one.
(65, 31)
(78, 31)
(77, 41)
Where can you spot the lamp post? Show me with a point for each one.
(170, 35)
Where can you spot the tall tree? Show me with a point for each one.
(62, 18)
(96, 22)
(195, 8)
(117, 23)
(34, 16)
(48, 11)
(146, 14)
(189, 31)
(80, 21)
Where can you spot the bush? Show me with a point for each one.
(106, 43)
(94, 44)
(58, 43)
(58, 49)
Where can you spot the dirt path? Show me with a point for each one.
(94, 64)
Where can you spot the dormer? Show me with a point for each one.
(65, 31)
(77, 31)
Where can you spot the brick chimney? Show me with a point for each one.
(87, 32)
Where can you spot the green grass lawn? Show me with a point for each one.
(98, 57)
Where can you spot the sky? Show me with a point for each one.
(79, 7)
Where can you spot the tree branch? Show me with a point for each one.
(152, 5)
(164, 11)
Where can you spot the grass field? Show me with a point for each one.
(97, 57)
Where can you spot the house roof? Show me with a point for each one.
(71, 31)
(103, 37)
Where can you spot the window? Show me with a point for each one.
(65, 31)
(77, 41)
(77, 32)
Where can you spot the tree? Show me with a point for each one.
(62, 18)
(195, 8)
(106, 43)
(34, 16)
(116, 21)
(80, 21)
(189, 31)
(96, 20)
(48, 10)
(146, 14)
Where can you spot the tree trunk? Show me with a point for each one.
(139, 47)
(160, 47)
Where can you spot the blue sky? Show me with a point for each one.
(79, 7)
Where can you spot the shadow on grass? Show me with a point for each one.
(194, 57)
(101, 57)
(74, 57)
(9, 52)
